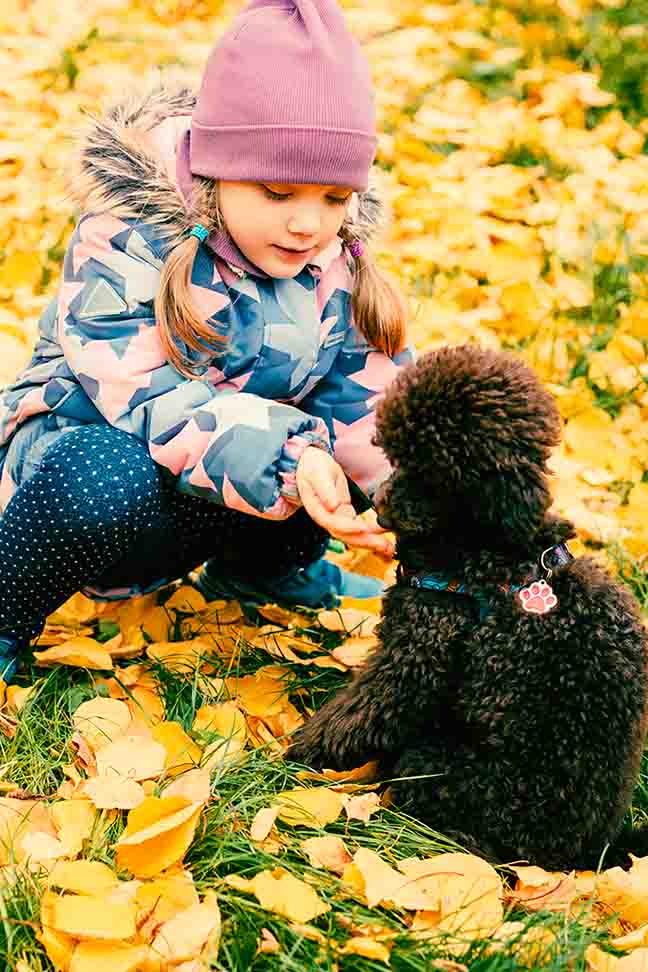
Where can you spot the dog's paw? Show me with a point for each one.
(537, 598)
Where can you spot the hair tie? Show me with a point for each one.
(200, 232)
(356, 248)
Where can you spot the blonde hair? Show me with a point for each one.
(379, 309)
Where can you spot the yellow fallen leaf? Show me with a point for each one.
(284, 723)
(226, 719)
(264, 821)
(268, 944)
(469, 893)
(113, 793)
(179, 656)
(184, 936)
(161, 899)
(532, 945)
(17, 819)
(100, 721)
(186, 598)
(107, 957)
(283, 645)
(155, 623)
(74, 821)
(263, 693)
(222, 753)
(157, 835)
(326, 661)
(145, 705)
(193, 785)
(540, 890)
(365, 605)
(309, 808)
(626, 892)
(19, 269)
(54, 634)
(361, 774)
(77, 610)
(353, 621)
(362, 806)
(354, 651)
(328, 852)
(132, 758)
(282, 616)
(308, 932)
(600, 961)
(92, 917)
(382, 884)
(40, 847)
(58, 946)
(83, 877)
(182, 753)
(260, 736)
(637, 961)
(634, 939)
(17, 696)
(82, 652)
(367, 947)
(119, 650)
(587, 435)
(226, 612)
(282, 893)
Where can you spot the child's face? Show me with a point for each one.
(280, 228)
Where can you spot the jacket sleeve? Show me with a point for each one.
(237, 449)
(346, 400)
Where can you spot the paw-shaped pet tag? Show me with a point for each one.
(537, 598)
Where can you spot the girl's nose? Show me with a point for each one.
(305, 221)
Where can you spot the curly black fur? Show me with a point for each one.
(529, 728)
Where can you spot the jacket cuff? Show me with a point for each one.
(290, 456)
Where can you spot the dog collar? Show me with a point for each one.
(534, 597)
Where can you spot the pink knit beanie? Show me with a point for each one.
(286, 97)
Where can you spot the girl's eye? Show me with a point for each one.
(276, 195)
(338, 200)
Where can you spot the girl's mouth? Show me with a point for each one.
(296, 256)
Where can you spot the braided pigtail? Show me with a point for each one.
(379, 308)
(184, 332)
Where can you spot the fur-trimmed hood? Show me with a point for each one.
(119, 167)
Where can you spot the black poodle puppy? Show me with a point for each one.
(508, 694)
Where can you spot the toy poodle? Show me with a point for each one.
(507, 697)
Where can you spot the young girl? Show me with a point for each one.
(206, 381)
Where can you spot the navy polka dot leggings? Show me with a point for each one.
(99, 511)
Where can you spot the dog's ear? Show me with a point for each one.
(512, 506)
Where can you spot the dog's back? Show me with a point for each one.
(553, 707)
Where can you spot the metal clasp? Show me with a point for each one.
(548, 571)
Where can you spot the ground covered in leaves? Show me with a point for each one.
(148, 820)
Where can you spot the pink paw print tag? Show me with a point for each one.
(537, 598)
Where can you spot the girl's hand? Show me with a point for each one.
(324, 493)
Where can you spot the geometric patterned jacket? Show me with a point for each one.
(294, 369)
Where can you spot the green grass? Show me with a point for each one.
(222, 845)
(35, 757)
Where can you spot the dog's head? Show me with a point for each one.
(468, 432)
